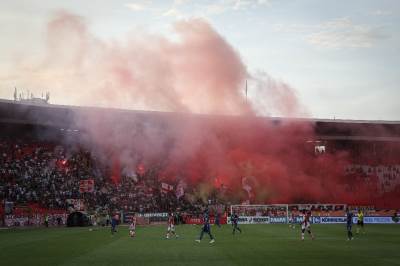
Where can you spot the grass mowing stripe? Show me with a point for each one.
(257, 245)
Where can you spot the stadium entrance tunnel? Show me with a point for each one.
(77, 219)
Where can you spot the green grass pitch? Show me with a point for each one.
(257, 245)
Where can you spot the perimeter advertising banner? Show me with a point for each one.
(151, 217)
(367, 220)
(314, 220)
(252, 220)
(278, 220)
(199, 220)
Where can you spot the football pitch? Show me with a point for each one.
(257, 245)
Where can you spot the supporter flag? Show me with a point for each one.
(86, 185)
(165, 188)
(180, 190)
(75, 205)
(247, 185)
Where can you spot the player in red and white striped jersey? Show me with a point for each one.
(306, 224)
(171, 226)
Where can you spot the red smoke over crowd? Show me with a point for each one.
(225, 145)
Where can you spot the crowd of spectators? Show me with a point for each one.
(41, 173)
(50, 174)
(379, 179)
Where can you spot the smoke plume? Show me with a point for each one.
(198, 72)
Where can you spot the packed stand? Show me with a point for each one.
(49, 175)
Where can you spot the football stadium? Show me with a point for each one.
(60, 199)
(190, 133)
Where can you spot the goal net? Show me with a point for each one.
(260, 214)
(285, 213)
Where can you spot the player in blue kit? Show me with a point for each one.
(218, 219)
(114, 222)
(235, 221)
(349, 221)
(206, 228)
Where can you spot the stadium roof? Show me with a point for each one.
(16, 112)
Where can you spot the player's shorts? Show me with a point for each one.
(171, 228)
(361, 223)
(305, 226)
(206, 228)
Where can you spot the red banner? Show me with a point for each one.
(197, 220)
(165, 188)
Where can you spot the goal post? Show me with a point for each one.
(285, 213)
(260, 214)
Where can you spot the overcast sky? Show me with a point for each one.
(342, 57)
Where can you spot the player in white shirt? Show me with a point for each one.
(306, 225)
(132, 227)
(171, 226)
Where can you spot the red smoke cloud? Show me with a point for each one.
(198, 73)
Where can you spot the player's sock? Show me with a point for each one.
(302, 236)
(311, 234)
(349, 235)
(201, 235)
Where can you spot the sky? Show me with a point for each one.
(342, 58)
